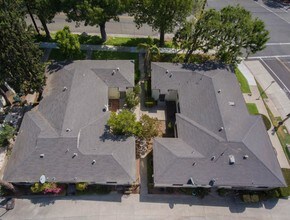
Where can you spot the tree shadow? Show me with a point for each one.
(56, 66)
(108, 136)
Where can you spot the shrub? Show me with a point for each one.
(150, 102)
(5, 134)
(201, 192)
(266, 121)
(68, 43)
(137, 89)
(132, 100)
(247, 198)
(81, 186)
(46, 188)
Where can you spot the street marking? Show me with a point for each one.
(271, 44)
(272, 12)
(275, 74)
(266, 57)
(280, 61)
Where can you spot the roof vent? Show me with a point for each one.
(41, 155)
(118, 69)
(75, 178)
(64, 89)
(219, 91)
(74, 155)
(106, 108)
(212, 158)
(221, 128)
(113, 72)
(67, 130)
(190, 181)
(231, 159)
(245, 156)
(232, 103)
(167, 71)
(53, 178)
(93, 162)
(211, 182)
(67, 150)
(170, 75)
(194, 163)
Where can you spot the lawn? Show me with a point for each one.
(96, 40)
(242, 81)
(282, 132)
(252, 108)
(262, 93)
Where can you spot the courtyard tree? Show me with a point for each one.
(95, 12)
(124, 123)
(8, 186)
(45, 10)
(161, 15)
(68, 43)
(228, 33)
(150, 127)
(20, 57)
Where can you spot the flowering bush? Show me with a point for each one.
(46, 188)
(81, 186)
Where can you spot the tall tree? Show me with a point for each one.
(45, 10)
(228, 32)
(161, 15)
(198, 34)
(150, 49)
(95, 12)
(19, 56)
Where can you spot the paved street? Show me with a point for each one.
(147, 207)
(125, 27)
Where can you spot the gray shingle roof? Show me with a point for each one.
(79, 108)
(201, 151)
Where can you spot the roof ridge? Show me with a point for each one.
(249, 131)
(94, 70)
(45, 120)
(199, 126)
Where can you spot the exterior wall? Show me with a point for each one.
(114, 93)
(155, 94)
(171, 95)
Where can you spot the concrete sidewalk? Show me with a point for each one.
(262, 109)
(280, 102)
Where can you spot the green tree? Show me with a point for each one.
(198, 34)
(20, 57)
(5, 134)
(132, 99)
(124, 123)
(95, 12)
(45, 10)
(68, 43)
(238, 31)
(150, 49)
(149, 127)
(228, 32)
(161, 15)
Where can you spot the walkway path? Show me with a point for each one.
(262, 109)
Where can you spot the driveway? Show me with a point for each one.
(167, 207)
